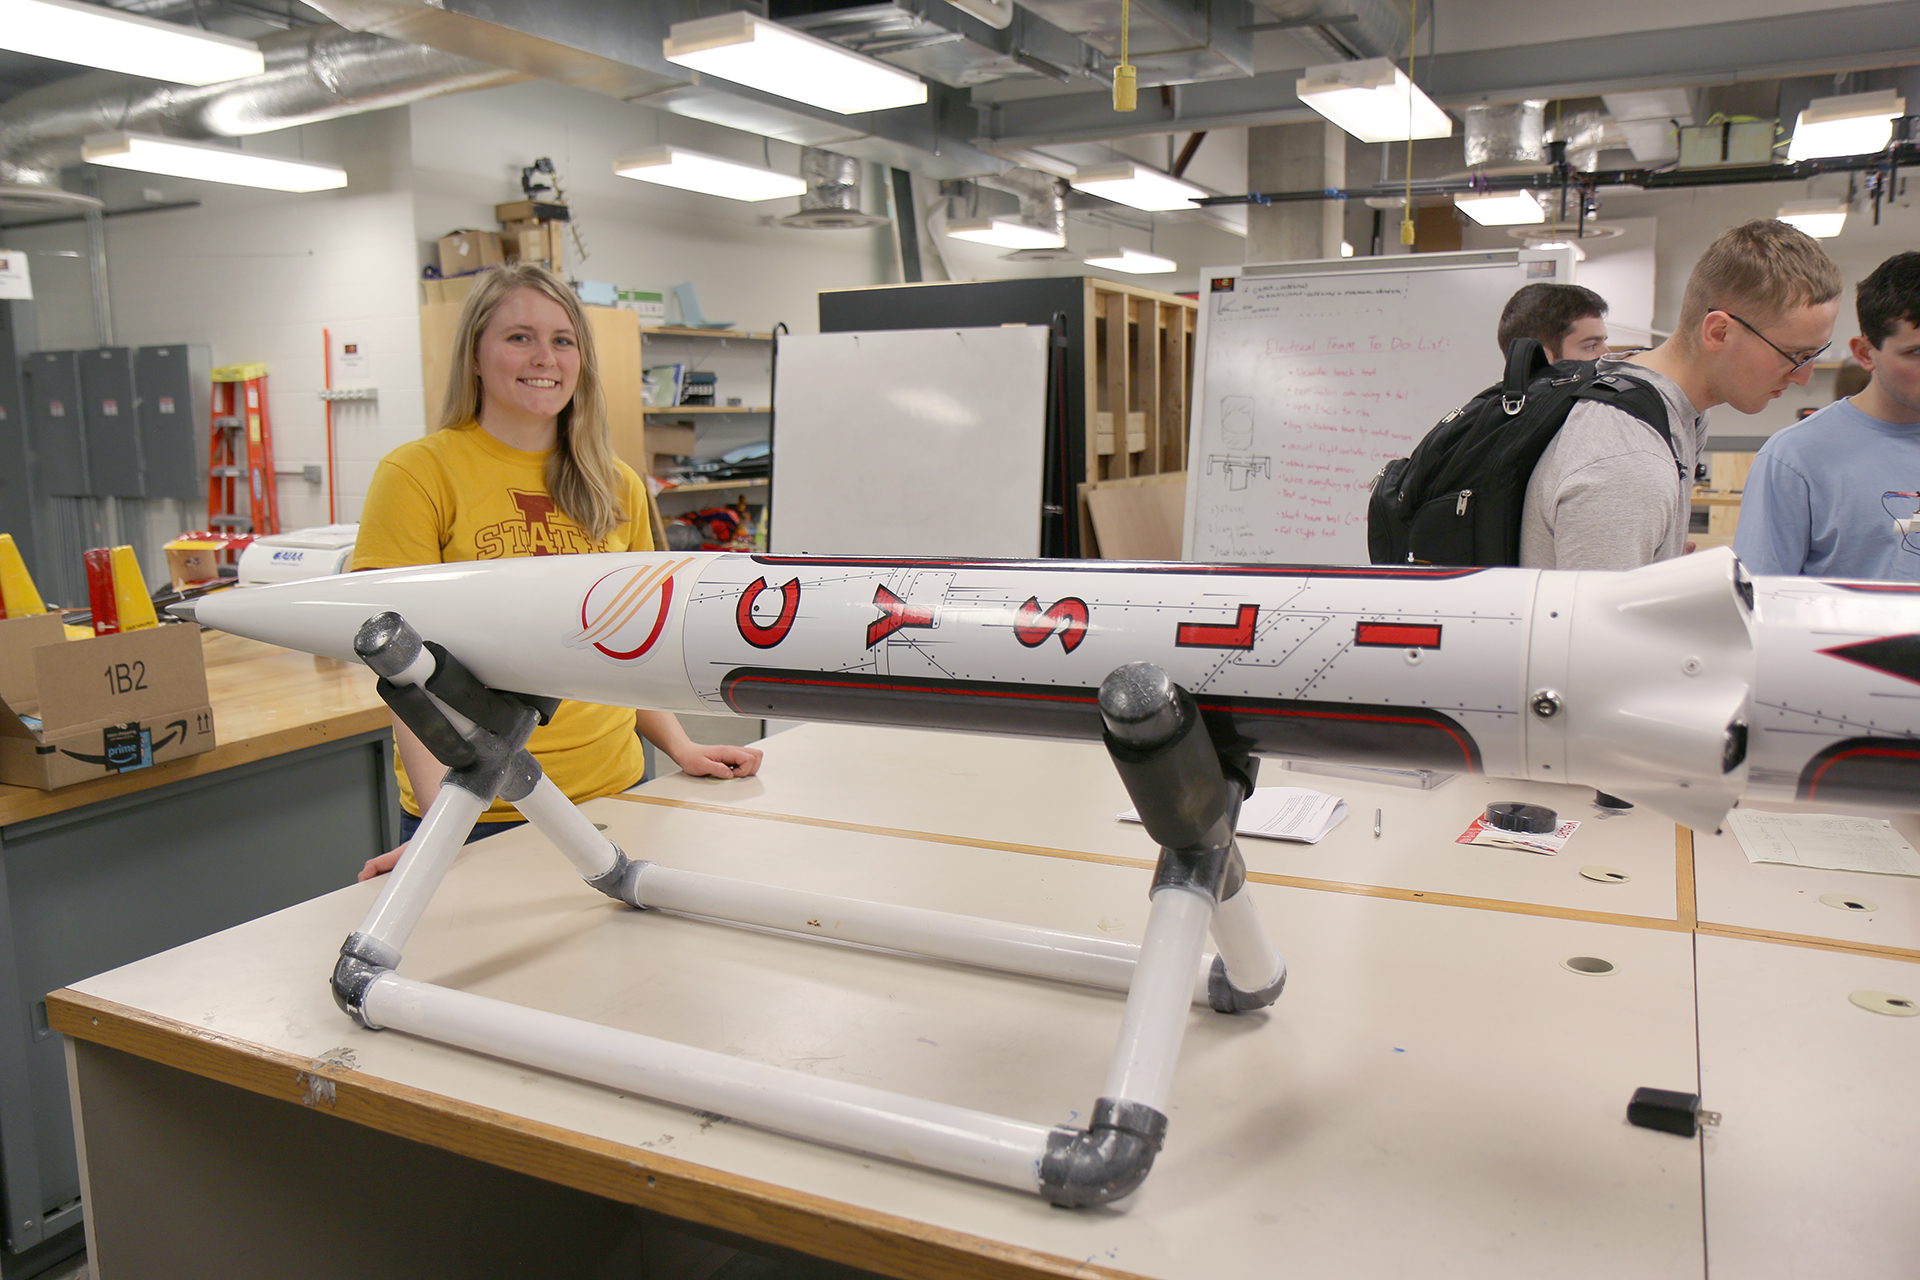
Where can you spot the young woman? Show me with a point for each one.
(522, 465)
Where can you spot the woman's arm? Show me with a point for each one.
(663, 730)
(424, 772)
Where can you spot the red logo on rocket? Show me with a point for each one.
(624, 612)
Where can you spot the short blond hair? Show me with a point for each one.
(1762, 268)
(583, 478)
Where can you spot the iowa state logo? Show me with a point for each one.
(624, 613)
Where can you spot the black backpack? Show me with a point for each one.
(1457, 499)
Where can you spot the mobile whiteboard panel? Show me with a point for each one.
(923, 442)
(1314, 374)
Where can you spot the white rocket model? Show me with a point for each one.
(1681, 686)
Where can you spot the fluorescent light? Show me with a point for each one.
(1821, 219)
(208, 163)
(749, 50)
(96, 36)
(1133, 262)
(1346, 249)
(1501, 208)
(1006, 233)
(1373, 100)
(1579, 254)
(709, 175)
(1136, 185)
(1853, 125)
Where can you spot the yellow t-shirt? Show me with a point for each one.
(460, 494)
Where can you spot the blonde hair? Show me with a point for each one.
(583, 478)
(1764, 267)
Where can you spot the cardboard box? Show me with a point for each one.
(452, 292)
(532, 241)
(71, 710)
(532, 211)
(464, 251)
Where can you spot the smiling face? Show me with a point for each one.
(528, 358)
(1748, 367)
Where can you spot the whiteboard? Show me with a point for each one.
(1314, 374)
(925, 442)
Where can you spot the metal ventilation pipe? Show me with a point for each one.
(1043, 197)
(832, 198)
(313, 74)
(1507, 135)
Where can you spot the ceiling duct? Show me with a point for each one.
(1650, 120)
(1584, 132)
(1170, 41)
(1043, 204)
(1349, 29)
(615, 47)
(832, 198)
(938, 41)
(1507, 137)
(313, 74)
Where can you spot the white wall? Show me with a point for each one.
(256, 276)
(468, 150)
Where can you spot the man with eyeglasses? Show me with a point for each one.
(1824, 494)
(1611, 491)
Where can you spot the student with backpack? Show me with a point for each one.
(1591, 465)
(1609, 492)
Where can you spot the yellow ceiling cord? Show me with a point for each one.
(1406, 213)
(1126, 90)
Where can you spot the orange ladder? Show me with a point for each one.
(242, 447)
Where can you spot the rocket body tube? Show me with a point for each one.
(1680, 686)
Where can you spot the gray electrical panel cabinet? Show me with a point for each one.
(114, 467)
(174, 384)
(58, 431)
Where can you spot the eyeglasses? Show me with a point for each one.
(1798, 362)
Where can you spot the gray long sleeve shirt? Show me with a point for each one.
(1607, 493)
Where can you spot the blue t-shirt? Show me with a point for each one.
(1815, 505)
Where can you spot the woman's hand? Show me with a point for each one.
(381, 865)
(721, 761)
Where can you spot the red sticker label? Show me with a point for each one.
(1237, 634)
(765, 637)
(895, 614)
(1397, 635)
(1032, 628)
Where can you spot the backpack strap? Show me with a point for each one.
(1526, 360)
(1638, 399)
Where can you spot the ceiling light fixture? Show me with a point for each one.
(1133, 262)
(709, 175)
(1005, 233)
(1501, 208)
(748, 49)
(1853, 125)
(147, 153)
(1821, 219)
(1373, 100)
(1579, 254)
(96, 36)
(1137, 186)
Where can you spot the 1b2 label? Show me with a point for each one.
(125, 677)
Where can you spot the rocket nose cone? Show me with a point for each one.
(183, 610)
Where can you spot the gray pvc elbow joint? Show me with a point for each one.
(362, 959)
(1224, 997)
(621, 881)
(1108, 1159)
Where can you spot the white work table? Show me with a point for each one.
(1434, 1094)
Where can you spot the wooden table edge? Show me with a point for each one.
(19, 804)
(840, 1232)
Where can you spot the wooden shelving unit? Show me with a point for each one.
(715, 486)
(708, 408)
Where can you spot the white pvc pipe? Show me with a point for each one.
(559, 820)
(939, 935)
(1252, 963)
(952, 1139)
(422, 865)
(1156, 1018)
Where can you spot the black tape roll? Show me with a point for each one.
(1531, 819)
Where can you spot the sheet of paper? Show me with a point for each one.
(1547, 842)
(1284, 813)
(1827, 841)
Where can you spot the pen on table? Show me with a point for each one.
(1376, 824)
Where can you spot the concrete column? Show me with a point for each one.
(1295, 157)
